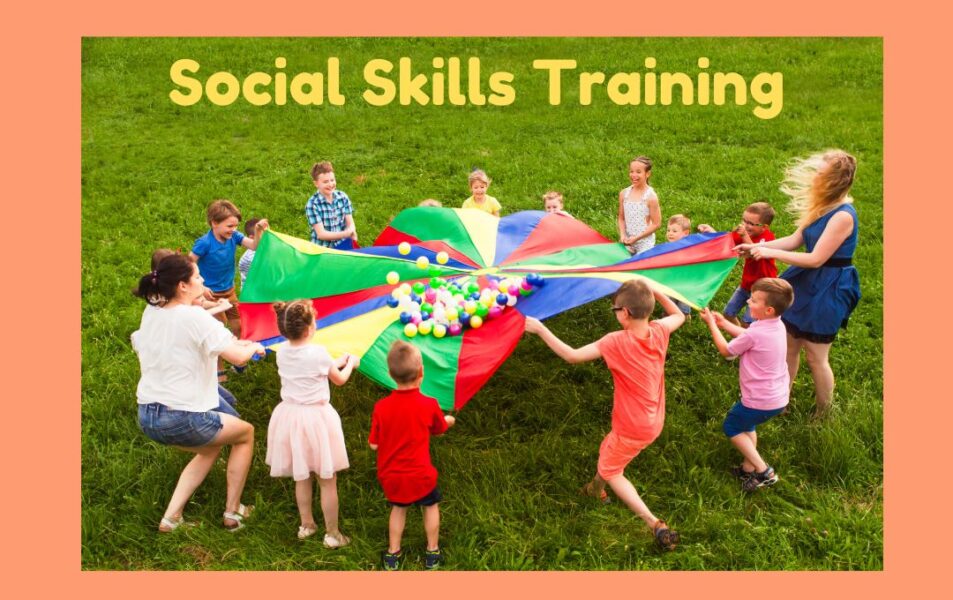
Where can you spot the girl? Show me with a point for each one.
(639, 212)
(826, 286)
(179, 403)
(305, 435)
(479, 182)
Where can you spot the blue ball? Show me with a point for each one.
(393, 302)
(424, 316)
(415, 298)
(501, 299)
(405, 317)
(464, 317)
(475, 296)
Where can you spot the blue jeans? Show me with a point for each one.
(181, 427)
(737, 302)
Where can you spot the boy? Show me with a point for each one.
(329, 211)
(553, 203)
(636, 358)
(244, 263)
(215, 254)
(679, 226)
(401, 426)
(753, 230)
(763, 374)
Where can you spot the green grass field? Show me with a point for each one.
(523, 446)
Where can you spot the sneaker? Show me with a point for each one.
(391, 560)
(740, 473)
(757, 480)
(433, 559)
(665, 538)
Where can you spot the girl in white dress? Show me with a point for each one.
(639, 212)
(305, 435)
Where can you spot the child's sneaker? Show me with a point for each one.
(757, 480)
(740, 473)
(391, 560)
(665, 538)
(433, 559)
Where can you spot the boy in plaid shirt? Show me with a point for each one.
(329, 211)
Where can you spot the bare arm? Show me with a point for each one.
(349, 220)
(721, 343)
(621, 218)
(241, 351)
(561, 348)
(373, 446)
(790, 242)
(340, 376)
(836, 231)
(252, 244)
(332, 236)
(674, 317)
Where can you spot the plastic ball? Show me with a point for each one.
(474, 296)
(410, 330)
(426, 307)
(473, 287)
(464, 318)
(396, 293)
(442, 257)
(455, 328)
(470, 307)
(416, 318)
(425, 327)
(501, 299)
(393, 302)
(494, 312)
(494, 284)
(526, 285)
(511, 300)
(422, 262)
(452, 313)
(437, 283)
(513, 289)
(482, 310)
(430, 296)
(525, 292)
(476, 322)
(439, 331)
(405, 317)
(414, 307)
(405, 288)
(424, 315)
(403, 248)
(419, 288)
(404, 303)
(393, 278)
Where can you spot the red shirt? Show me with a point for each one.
(756, 269)
(401, 426)
(638, 374)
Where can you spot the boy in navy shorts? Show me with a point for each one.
(401, 426)
(763, 374)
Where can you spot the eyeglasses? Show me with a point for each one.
(747, 222)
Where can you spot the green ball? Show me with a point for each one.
(419, 288)
(482, 309)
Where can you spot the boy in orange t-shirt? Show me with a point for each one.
(636, 358)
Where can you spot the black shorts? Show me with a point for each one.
(429, 500)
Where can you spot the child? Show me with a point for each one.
(479, 182)
(329, 211)
(215, 254)
(553, 203)
(305, 434)
(401, 426)
(753, 230)
(636, 358)
(763, 374)
(679, 226)
(244, 263)
(639, 212)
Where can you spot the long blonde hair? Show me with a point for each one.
(812, 196)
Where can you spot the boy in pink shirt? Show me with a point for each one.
(636, 358)
(763, 373)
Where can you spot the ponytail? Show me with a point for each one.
(159, 285)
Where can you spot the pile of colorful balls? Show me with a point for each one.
(445, 307)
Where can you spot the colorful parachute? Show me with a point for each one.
(350, 290)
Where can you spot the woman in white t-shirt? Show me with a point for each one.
(178, 345)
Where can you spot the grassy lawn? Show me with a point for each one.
(511, 468)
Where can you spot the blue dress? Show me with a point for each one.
(823, 297)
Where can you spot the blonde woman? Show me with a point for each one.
(825, 282)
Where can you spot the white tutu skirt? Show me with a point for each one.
(305, 439)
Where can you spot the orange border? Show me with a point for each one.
(41, 112)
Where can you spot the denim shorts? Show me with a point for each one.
(741, 419)
(181, 427)
(737, 302)
(429, 500)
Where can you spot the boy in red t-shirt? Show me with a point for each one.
(636, 358)
(752, 230)
(401, 426)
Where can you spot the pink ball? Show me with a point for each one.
(416, 319)
(513, 290)
(526, 285)
(494, 284)
(455, 329)
(431, 296)
(494, 312)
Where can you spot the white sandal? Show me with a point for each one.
(167, 525)
(238, 516)
(336, 541)
(306, 532)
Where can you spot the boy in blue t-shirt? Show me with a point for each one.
(215, 254)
